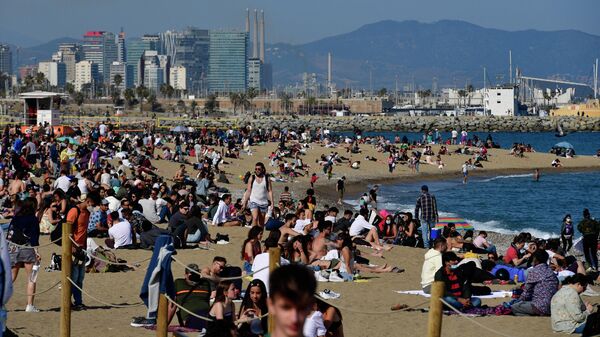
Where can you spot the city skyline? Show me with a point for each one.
(294, 23)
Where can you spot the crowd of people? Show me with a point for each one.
(104, 184)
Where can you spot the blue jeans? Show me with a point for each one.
(77, 275)
(426, 226)
(579, 329)
(475, 302)
(164, 213)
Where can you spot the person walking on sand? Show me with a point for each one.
(590, 228)
(340, 188)
(426, 210)
(259, 194)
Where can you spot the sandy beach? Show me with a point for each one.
(365, 306)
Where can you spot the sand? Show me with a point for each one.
(365, 306)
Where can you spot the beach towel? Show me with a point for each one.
(159, 278)
(494, 294)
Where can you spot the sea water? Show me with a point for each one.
(506, 204)
(585, 143)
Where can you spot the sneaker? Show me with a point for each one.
(319, 275)
(139, 322)
(335, 277)
(329, 295)
(31, 308)
(78, 307)
(590, 292)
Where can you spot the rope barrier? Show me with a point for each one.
(472, 320)
(102, 302)
(39, 292)
(220, 278)
(91, 256)
(208, 319)
(408, 308)
(40, 246)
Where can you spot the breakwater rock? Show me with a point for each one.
(373, 123)
(417, 124)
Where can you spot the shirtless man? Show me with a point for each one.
(180, 174)
(17, 185)
(319, 246)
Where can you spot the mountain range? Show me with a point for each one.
(453, 52)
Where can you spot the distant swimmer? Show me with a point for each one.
(536, 175)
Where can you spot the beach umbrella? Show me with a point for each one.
(459, 222)
(67, 139)
(565, 145)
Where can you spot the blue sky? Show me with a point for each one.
(31, 21)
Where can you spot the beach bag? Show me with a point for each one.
(56, 234)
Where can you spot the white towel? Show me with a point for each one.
(494, 294)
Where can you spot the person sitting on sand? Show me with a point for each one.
(569, 313)
(348, 258)
(481, 242)
(254, 304)
(539, 288)
(222, 217)
(513, 254)
(432, 263)
(355, 165)
(251, 247)
(362, 229)
(556, 163)
(457, 290)
(193, 293)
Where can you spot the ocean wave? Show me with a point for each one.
(496, 226)
(505, 177)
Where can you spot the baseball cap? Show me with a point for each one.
(105, 202)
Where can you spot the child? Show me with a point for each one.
(313, 180)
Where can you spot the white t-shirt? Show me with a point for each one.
(314, 326)
(149, 210)
(330, 218)
(105, 179)
(358, 225)
(454, 133)
(260, 262)
(222, 214)
(121, 233)
(113, 203)
(63, 183)
(301, 224)
(102, 129)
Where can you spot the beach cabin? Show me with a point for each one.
(40, 107)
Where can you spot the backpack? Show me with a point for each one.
(266, 177)
(16, 235)
(56, 234)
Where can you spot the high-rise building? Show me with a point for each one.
(227, 67)
(152, 71)
(255, 72)
(86, 72)
(55, 72)
(120, 68)
(164, 63)
(121, 55)
(28, 70)
(69, 54)
(135, 52)
(100, 47)
(5, 59)
(191, 52)
(177, 78)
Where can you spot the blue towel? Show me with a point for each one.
(159, 278)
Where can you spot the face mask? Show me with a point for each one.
(388, 222)
(454, 267)
(90, 209)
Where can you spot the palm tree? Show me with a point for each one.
(234, 97)
(251, 94)
(29, 81)
(79, 99)
(244, 101)
(286, 102)
(70, 89)
(142, 92)
(118, 79)
(210, 104)
(152, 100)
(129, 96)
(193, 105)
(40, 79)
(163, 89)
(461, 94)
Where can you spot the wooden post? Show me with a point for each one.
(434, 328)
(274, 257)
(162, 324)
(65, 308)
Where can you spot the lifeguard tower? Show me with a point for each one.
(40, 107)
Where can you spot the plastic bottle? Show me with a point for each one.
(516, 279)
(34, 272)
